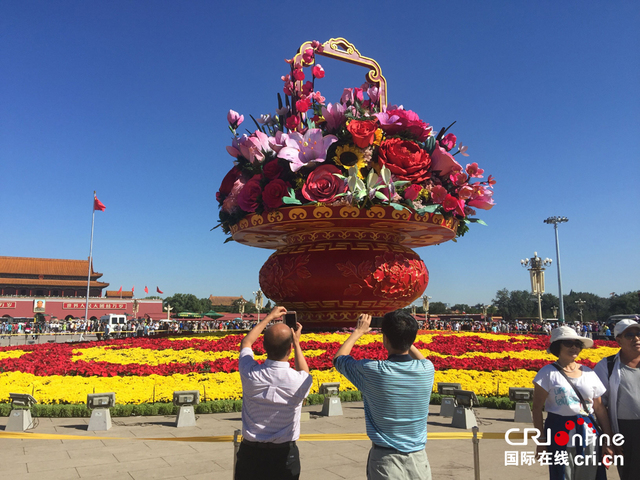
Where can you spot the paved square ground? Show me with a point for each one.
(132, 459)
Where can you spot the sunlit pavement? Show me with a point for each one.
(192, 460)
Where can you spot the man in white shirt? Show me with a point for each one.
(272, 396)
(620, 375)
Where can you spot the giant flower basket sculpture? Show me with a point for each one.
(342, 191)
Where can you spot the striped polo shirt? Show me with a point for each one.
(272, 396)
(396, 395)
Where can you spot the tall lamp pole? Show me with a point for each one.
(259, 300)
(555, 221)
(536, 270)
(425, 306)
(580, 302)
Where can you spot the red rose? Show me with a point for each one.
(272, 170)
(273, 193)
(363, 132)
(227, 183)
(322, 185)
(405, 159)
(248, 196)
(412, 192)
(407, 121)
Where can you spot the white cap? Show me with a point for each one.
(622, 325)
(568, 333)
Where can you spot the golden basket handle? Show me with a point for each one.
(343, 50)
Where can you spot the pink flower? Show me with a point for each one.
(303, 105)
(465, 192)
(374, 94)
(322, 185)
(292, 123)
(227, 183)
(350, 95)
(248, 196)
(318, 97)
(234, 119)
(307, 56)
(491, 180)
(438, 194)
(307, 88)
(484, 202)
(273, 193)
(312, 147)
(279, 141)
(451, 203)
(230, 203)
(334, 115)
(255, 147)
(474, 171)
(458, 178)
(443, 162)
(412, 192)
(396, 120)
(318, 71)
(298, 74)
(449, 141)
(316, 45)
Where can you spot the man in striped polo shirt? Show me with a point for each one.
(272, 396)
(396, 395)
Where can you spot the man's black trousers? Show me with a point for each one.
(267, 461)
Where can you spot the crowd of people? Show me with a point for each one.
(590, 405)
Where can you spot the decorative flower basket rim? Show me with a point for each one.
(272, 229)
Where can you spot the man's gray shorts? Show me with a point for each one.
(387, 463)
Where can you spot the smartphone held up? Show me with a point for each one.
(291, 319)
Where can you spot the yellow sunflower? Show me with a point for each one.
(348, 156)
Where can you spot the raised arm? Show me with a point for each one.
(255, 332)
(362, 327)
(299, 362)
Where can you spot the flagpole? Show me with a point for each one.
(93, 217)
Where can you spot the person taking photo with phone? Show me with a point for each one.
(396, 394)
(272, 396)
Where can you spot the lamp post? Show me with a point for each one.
(425, 306)
(259, 300)
(241, 303)
(555, 221)
(536, 271)
(580, 302)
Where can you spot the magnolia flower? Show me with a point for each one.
(302, 150)
(333, 114)
(234, 119)
(252, 148)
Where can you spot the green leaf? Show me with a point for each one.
(400, 183)
(341, 177)
(397, 206)
(430, 144)
(291, 201)
(428, 209)
(229, 239)
(385, 173)
(382, 196)
(477, 220)
(372, 179)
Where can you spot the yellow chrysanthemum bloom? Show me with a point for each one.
(348, 156)
(378, 138)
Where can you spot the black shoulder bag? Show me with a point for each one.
(585, 407)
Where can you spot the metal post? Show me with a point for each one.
(476, 453)
(555, 227)
(236, 446)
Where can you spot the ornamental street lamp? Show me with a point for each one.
(536, 271)
(241, 303)
(580, 302)
(425, 306)
(555, 221)
(259, 300)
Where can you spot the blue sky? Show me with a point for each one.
(129, 98)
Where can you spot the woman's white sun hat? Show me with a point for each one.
(568, 333)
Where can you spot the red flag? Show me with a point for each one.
(158, 290)
(120, 291)
(132, 289)
(146, 290)
(97, 204)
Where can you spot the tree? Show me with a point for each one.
(515, 304)
(187, 302)
(436, 308)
